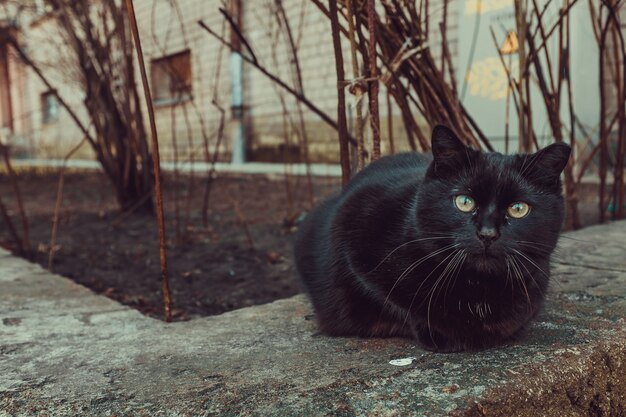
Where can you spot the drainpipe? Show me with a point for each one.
(237, 88)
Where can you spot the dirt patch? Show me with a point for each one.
(238, 260)
(242, 258)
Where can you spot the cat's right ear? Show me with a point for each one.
(449, 153)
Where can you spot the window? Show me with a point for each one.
(50, 107)
(171, 78)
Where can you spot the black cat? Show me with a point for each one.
(452, 249)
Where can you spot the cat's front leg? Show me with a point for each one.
(434, 340)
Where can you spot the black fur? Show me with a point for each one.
(377, 259)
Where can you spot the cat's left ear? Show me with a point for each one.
(547, 164)
(449, 153)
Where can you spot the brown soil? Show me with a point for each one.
(237, 261)
(212, 270)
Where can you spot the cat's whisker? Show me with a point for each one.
(520, 279)
(532, 262)
(539, 251)
(442, 278)
(456, 275)
(417, 263)
(509, 277)
(530, 249)
(534, 243)
(514, 273)
(447, 272)
(438, 252)
(530, 274)
(441, 233)
(423, 282)
(560, 235)
(403, 245)
(432, 292)
(412, 267)
(431, 272)
(572, 238)
(537, 266)
(533, 162)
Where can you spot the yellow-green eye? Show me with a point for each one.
(518, 210)
(464, 203)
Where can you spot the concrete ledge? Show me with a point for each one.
(323, 170)
(65, 351)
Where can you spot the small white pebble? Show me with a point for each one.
(402, 362)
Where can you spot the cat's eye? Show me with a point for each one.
(518, 210)
(464, 203)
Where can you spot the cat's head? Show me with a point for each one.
(493, 206)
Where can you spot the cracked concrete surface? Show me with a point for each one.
(66, 351)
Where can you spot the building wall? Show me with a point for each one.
(12, 85)
(166, 30)
(272, 118)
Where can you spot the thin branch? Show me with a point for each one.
(373, 85)
(57, 205)
(302, 98)
(25, 242)
(156, 163)
(341, 99)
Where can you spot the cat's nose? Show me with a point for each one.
(488, 234)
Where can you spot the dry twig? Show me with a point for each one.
(167, 302)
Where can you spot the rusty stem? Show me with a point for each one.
(447, 58)
(523, 124)
(288, 177)
(11, 227)
(211, 174)
(570, 182)
(357, 88)
(287, 131)
(602, 171)
(373, 85)
(25, 242)
(275, 79)
(392, 147)
(57, 205)
(294, 50)
(443, 28)
(344, 152)
(510, 92)
(242, 221)
(618, 173)
(210, 160)
(550, 91)
(167, 302)
(178, 102)
(191, 158)
(177, 231)
(507, 113)
(220, 135)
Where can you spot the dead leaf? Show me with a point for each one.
(450, 389)
(275, 257)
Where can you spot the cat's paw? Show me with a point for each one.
(435, 341)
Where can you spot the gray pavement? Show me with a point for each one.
(65, 351)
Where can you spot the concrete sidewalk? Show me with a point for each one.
(67, 352)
